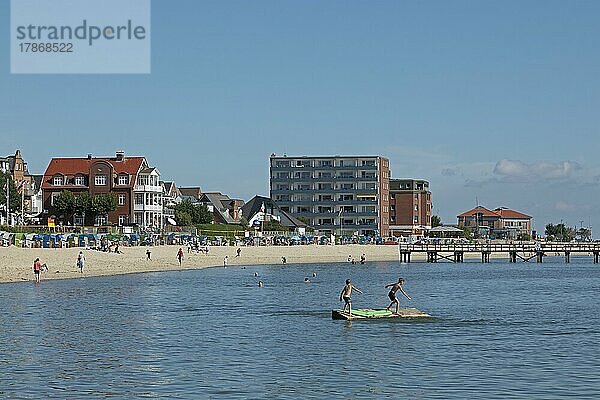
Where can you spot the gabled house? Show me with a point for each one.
(171, 197)
(500, 223)
(134, 183)
(225, 209)
(261, 208)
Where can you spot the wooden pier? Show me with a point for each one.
(514, 252)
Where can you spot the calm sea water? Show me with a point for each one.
(500, 331)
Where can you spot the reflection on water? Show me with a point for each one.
(499, 331)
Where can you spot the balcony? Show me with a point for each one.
(147, 188)
(148, 207)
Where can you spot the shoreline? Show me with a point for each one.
(16, 263)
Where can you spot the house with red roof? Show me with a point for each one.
(499, 223)
(134, 183)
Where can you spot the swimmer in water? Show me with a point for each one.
(260, 284)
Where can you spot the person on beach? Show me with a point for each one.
(346, 293)
(238, 252)
(392, 294)
(363, 258)
(225, 259)
(148, 254)
(80, 261)
(37, 268)
(180, 256)
(349, 257)
(283, 260)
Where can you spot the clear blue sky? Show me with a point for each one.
(496, 100)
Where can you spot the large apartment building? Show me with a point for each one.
(335, 195)
(410, 207)
(135, 184)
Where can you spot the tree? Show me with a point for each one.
(103, 204)
(560, 232)
(183, 218)
(274, 226)
(65, 205)
(15, 196)
(435, 221)
(584, 234)
(198, 213)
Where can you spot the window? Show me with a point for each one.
(121, 200)
(79, 181)
(100, 180)
(52, 197)
(58, 181)
(122, 219)
(101, 220)
(123, 180)
(282, 175)
(143, 180)
(139, 199)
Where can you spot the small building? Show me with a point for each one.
(499, 223)
(225, 209)
(263, 209)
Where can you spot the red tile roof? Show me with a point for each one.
(504, 213)
(511, 214)
(479, 210)
(73, 166)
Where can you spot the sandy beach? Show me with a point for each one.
(16, 263)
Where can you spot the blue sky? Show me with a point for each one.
(495, 100)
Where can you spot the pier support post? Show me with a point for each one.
(485, 256)
(405, 256)
(459, 256)
(512, 255)
(432, 256)
(596, 257)
(540, 257)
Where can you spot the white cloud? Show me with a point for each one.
(538, 170)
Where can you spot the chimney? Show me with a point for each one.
(89, 157)
(120, 155)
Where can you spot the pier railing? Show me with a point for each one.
(503, 247)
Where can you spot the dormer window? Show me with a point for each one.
(58, 181)
(100, 180)
(79, 181)
(123, 180)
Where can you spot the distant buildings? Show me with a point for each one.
(26, 184)
(263, 209)
(500, 223)
(334, 194)
(225, 210)
(410, 207)
(135, 184)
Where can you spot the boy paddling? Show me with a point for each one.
(392, 294)
(346, 293)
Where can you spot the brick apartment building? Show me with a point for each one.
(410, 207)
(135, 184)
(334, 194)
